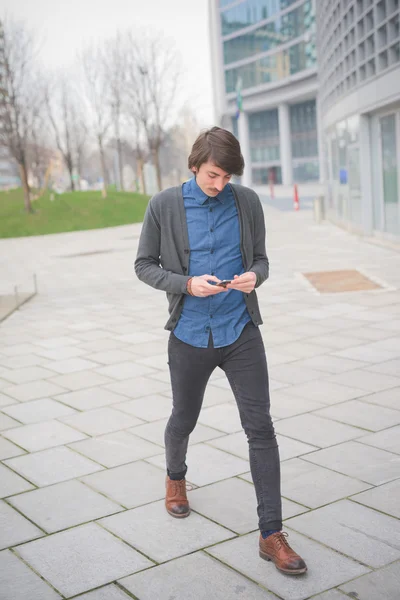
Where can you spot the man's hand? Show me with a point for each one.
(201, 288)
(243, 283)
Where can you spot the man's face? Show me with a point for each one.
(211, 179)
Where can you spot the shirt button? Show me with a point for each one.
(211, 209)
(211, 316)
(212, 251)
(207, 329)
(212, 229)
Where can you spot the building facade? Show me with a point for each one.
(359, 92)
(264, 51)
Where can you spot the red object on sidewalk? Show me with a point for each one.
(271, 179)
(296, 204)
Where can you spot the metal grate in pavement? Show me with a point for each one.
(349, 280)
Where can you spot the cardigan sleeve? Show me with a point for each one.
(260, 264)
(147, 264)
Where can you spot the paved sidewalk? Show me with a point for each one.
(84, 398)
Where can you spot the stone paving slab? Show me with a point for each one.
(114, 449)
(156, 407)
(121, 483)
(193, 577)
(108, 592)
(154, 432)
(325, 392)
(6, 400)
(89, 398)
(8, 449)
(79, 380)
(79, 559)
(315, 430)
(33, 390)
(357, 531)
(14, 528)
(200, 457)
(11, 483)
(224, 417)
(37, 411)
(169, 537)
(40, 436)
(100, 421)
(361, 414)
(215, 502)
(363, 462)
(384, 498)
(63, 505)
(19, 582)
(7, 422)
(326, 567)
(331, 595)
(52, 466)
(381, 585)
(389, 439)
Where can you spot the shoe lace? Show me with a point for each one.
(281, 539)
(180, 487)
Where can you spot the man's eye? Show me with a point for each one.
(212, 176)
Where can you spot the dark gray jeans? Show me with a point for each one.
(245, 365)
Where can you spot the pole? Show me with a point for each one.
(271, 178)
(296, 203)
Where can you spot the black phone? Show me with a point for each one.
(224, 282)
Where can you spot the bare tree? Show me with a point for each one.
(153, 75)
(68, 124)
(115, 67)
(20, 96)
(96, 89)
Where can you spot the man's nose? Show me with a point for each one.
(219, 186)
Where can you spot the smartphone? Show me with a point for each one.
(224, 282)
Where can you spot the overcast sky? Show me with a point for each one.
(65, 26)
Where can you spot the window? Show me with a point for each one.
(264, 136)
(274, 67)
(282, 30)
(251, 12)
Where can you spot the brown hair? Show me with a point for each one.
(219, 146)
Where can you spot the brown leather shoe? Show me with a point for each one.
(276, 548)
(176, 501)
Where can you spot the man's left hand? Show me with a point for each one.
(243, 283)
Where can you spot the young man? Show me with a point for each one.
(204, 244)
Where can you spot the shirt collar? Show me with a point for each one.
(201, 197)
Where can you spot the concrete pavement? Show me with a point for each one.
(84, 398)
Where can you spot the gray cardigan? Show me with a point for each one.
(162, 260)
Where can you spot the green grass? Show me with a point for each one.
(72, 211)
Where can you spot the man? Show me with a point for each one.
(204, 244)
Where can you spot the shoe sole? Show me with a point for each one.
(286, 571)
(183, 516)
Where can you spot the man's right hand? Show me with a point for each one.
(201, 288)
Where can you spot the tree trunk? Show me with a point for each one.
(140, 169)
(120, 168)
(71, 178)
(157, 167)
(25, 187)
(103, 168)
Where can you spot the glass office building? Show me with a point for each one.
(359, 92)
(267, 50)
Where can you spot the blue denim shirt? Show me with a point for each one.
(214, 238)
